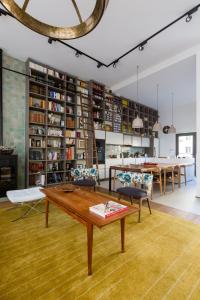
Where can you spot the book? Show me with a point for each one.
(108, 209)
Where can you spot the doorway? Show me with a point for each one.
(186, 145)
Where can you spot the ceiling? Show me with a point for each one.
(125, 24)
(179, 78)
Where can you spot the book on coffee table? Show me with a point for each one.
(108, 209)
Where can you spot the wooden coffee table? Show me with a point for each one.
(77, 203)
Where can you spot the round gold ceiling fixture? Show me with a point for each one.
(63, 33)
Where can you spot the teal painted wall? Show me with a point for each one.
(14, 111)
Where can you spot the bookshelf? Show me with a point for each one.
(51, 125)
(56, 142)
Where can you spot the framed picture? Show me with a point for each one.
(38, 143)
(81, 144)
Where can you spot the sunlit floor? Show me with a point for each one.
(183, 198)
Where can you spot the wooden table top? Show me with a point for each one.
(143, 168)
(78, 203)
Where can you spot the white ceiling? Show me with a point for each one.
(179, 78)
(125, 24)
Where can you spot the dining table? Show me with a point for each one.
(149, 168)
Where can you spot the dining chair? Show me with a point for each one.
(84, 177)
(140, 190)
(180, 171)
(157, 178)
(169, 177)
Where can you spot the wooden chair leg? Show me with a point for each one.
(179, 177)
(172, 181)
(185, 175)
(148, 202)
(140, 208)
(131, 199)
(160, 180)
(114, 180)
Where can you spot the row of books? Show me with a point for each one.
(36, 117)
(56, 95)
(55, 107)
(70, 153)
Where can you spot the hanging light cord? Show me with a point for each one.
(137, 82)
(172, 108)
(157, 95)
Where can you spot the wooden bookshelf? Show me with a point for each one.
(55, 140)
(51, 113)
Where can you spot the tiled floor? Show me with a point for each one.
(183, 199)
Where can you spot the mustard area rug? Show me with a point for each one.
(162, 259)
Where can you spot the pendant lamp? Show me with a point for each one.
(157, 126)
(24, 13)
(172, 129)
(137, 122)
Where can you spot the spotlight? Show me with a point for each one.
(99, 65)
(141, 46)
(115, 64)
(190, 13)
(188, 18)
(50, 40)
(78, 53)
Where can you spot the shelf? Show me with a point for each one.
(55, 126)
(35, 160)
(56, 78)
(43, 135)
(56, 112)
(38, 82)
(56, 88)
(55, 136)
(37, 95)
(37, 108)
(52, 172)
(56, 100)
(39, 124)
(37, 147)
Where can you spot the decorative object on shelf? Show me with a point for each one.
(6, 150)
(172, 129)
(137, 122)
(157, 126)
(166, 129)
(57, 32)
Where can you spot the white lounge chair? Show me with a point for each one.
(28, 197)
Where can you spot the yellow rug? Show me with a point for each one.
(162, 259)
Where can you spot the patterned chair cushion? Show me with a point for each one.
(144, 180)
(132, 192)
(84, 173)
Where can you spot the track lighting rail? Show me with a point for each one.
(140, 46)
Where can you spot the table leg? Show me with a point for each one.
(110, 178)
(89, 246)
(47, 211)
(164, 181)
(122, 234)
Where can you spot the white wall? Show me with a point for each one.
(184, 121)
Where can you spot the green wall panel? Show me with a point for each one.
(14, 111)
